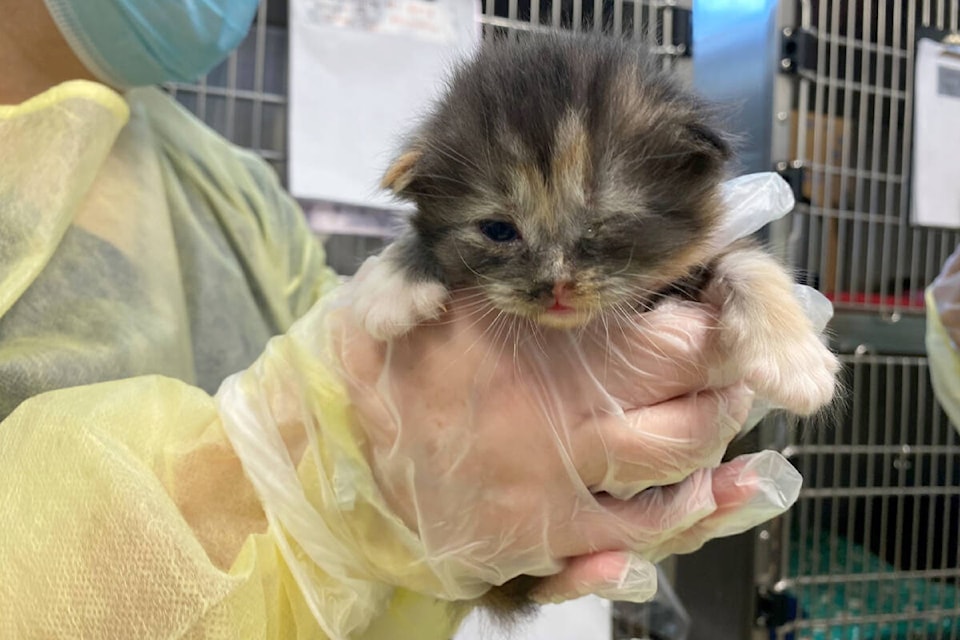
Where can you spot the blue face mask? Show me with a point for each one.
(133, 43)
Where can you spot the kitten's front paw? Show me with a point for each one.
(799, 376)
(388, 304)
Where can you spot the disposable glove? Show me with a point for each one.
(945, 290)
(466, 454)
(943, 336)
(474, 450)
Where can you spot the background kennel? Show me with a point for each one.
(824, 90)
(823, 94)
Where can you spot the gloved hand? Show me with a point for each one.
(942, 337)
(472, 451)
(945, 290)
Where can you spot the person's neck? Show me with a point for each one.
(33, 54)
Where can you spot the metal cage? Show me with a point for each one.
(871, 549)
(663, 26)
(852, 62)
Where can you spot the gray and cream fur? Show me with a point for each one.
(607, 170)
(567, 177)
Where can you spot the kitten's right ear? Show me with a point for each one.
(402, 172)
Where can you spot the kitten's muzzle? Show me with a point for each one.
(560, 304)
(550, 293)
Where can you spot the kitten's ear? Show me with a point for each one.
(402, 172)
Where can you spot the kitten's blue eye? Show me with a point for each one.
(499, 231)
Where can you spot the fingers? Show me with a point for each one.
(661, 444)
(614, 575)
(680, 518)
(749, 491)
(643, 522)
(664, 521)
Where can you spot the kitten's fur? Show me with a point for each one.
(610, 174)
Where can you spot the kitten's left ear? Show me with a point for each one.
(402, 172)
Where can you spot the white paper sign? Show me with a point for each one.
(361, 72)
(935, 188)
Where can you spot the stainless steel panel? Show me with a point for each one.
(736, 52)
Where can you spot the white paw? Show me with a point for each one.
(388, 304)
(799, 376)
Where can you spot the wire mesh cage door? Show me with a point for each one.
(852, 125)
(663, 27)
(870, 550)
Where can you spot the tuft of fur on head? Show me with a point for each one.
(591, 168)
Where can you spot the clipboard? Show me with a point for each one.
(935, 174)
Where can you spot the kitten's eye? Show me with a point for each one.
(499, 231)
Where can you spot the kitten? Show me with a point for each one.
(566, 176)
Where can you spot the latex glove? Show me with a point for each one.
(943, 336)
(470, 452)
(945, 290)
(747, 491)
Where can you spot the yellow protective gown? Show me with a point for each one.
(142, 252)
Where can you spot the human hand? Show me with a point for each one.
(946, 295)
(464, 459)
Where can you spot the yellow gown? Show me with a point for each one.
(143, 259)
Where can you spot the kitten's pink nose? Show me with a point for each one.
(562, 289)
(562, 292)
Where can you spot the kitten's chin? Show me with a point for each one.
(563, 319)
(568, 318)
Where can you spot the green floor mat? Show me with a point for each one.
(854, 609)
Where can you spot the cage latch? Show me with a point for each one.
(794, 174)
(682, 36)
(798, 50)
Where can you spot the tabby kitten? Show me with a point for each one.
(566, 176)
